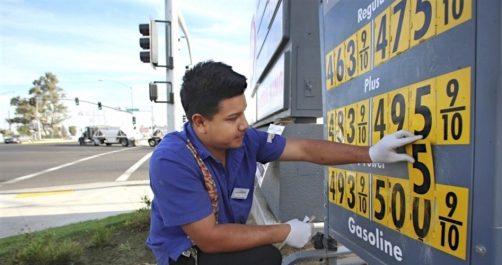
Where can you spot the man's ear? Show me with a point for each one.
(199, 123)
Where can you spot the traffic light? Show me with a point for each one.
(33, 101)
(153, 91)
(133, 120)
(149, 43)
(77, 101)
(99, 106)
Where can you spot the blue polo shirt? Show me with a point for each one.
(180, 196)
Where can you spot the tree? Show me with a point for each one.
(44, 103)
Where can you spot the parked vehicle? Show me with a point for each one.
(157, 136)
(105, 135)
(12, 140)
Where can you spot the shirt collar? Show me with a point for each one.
(192, 136)
(201, 148)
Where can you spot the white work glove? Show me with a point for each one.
(300, 233)
(385, 150)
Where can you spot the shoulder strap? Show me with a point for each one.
(208, 179)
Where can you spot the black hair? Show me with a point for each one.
(208, 83)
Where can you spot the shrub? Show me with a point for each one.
(100, 238)
(49, 252)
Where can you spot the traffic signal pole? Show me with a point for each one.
(171, 15)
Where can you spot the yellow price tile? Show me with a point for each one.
(340, 125)
(363, 192)
(379, 117)
(450, 230)
(350, 190)
(380, 200)
(454, 107)
(399, 110)
(400, 27)
(421, 172)
(400, 206)
(332, 172)
(331, 122)
(381, 42)
(423, 21)
(330, 70)
(451, 13)
(422, 114)
(364, 49)
(340, 188)
(350, 123)
(422, 218)
(362, 123)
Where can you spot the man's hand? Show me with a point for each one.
(300, 233)
(385, 150)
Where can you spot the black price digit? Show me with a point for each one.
(426, 183)
(456, 126)
(379, 197)
(398, 197)
(351, 202)
(381, 44)
(452, 89)
(401, 8)
(339, 65)
(398, 116)
(341, 187)
(457, 8)
(425, 7)
(332, 184)
(331, 127)
(352, 118)
(451, 202)
(339, 122)
(421, 231)
(423, 110)
(330, 71)
(351, 50)
(379, 121)
(453, 236)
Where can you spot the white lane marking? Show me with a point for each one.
(61, 166)
(134, 167)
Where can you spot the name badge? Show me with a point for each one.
(240, 193)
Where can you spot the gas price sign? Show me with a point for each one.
(393, 65)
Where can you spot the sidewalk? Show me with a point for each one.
(30, 210)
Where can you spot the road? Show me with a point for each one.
(50, 185)
(35, 166)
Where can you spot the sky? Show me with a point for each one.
(92, 47)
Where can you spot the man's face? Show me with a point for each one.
(227, 127)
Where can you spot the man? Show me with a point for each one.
(203, 177)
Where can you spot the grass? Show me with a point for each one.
(114, 240)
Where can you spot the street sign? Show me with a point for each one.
(132, 109)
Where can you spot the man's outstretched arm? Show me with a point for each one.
(330, 153)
